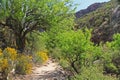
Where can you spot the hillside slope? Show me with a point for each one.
(90, 8)
(103, 21)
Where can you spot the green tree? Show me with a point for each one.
(77, 49)
(24, 16)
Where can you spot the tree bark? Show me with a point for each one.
(73, 66)
(20, 43)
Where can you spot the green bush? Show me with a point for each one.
(93, 73)
(40, 57)
(110, 67)
(8, 58)
(36, 42)
(75, 49)
(23, 65)
(111, 55)
(56, 53)
(115, 44)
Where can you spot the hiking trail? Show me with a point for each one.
(51, 70)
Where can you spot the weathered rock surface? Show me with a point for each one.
(109, 27)
(116, 20)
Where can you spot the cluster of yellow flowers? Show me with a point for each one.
(43, 55)
(24, 65)
(3, 62)
(11, 53)
(9, 59)
(0, 52)
(28, 68)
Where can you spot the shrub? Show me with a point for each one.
(10, 53)
(111, 68)
(4, 68)
(64, 63)
(23, 65)
(77, 49)
(112, 56)
(3, 64)
(1, 54)
(115, 44)
(7, 61)
(36, 42)
(93, 73)
(41, 57)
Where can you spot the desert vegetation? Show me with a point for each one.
(34, 31)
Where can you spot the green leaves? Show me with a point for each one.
(73, 41)
(25, 16)
(36, 41)
(116, 42)
(75, 48)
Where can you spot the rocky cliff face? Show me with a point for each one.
(115, 24)
(107, 29)
(90, 8)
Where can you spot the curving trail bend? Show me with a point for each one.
(49, 71)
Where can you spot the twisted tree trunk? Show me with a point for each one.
(20, 43)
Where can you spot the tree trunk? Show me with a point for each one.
(20, 43)
(73, 66)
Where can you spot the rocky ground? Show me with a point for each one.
(49, 71)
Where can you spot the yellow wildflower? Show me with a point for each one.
(28, 68)
(11, 53)
(4, 64)
(30, 57)
(24, 65)
(43, 55)
(1, 52)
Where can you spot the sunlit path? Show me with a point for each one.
(49, 71)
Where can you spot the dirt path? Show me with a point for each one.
(49, 71)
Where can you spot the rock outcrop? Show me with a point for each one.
(116, 20)
(109, 27)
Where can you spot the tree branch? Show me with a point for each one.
(30, 29)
